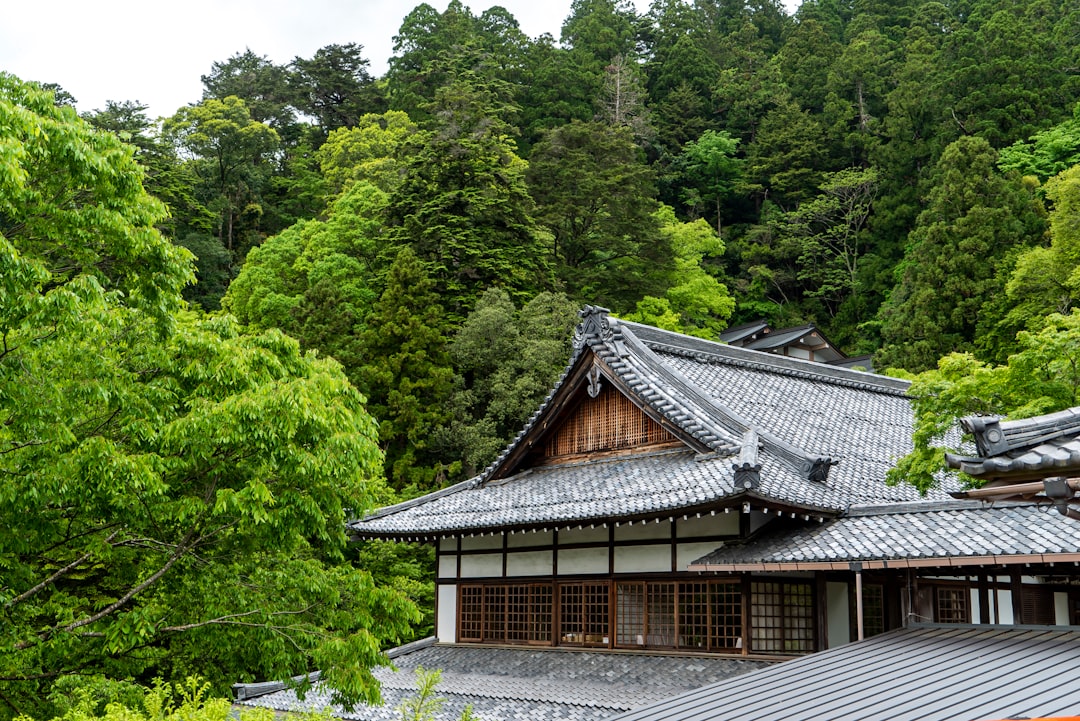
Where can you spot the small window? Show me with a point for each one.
(583, 614)
(952, 604)
(1037, 606)
(782, 617)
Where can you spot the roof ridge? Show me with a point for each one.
(887, 509)
(812, 466)
(711, 351)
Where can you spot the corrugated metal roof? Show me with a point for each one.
(502, 684)
(944, 673)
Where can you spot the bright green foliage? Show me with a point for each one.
(1042, 377)
(188, 701)
(74, 218)
(175, 492)
(1047, 279)
(369, 151)
(506, 361)
(597, 198)
(828, 238)
(1047, 153)
(959, 258)
(463, 205)
(314, 279)
(425, 705)
(696, 303)
(711, 170)
(229, 152)
(407, 377)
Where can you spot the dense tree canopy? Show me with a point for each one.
(153, 457)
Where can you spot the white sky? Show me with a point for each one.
(155, 51)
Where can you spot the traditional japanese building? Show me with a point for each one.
(677, 497)
(675, 493)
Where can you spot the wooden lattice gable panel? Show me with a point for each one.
(605, 366)
(608, 421)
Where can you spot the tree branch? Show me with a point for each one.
(61, 572)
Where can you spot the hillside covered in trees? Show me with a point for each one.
(891, 171)
(905, 174)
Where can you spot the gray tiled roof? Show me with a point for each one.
(954, 673)
(928, 530)
(807, 416)
(536, 684)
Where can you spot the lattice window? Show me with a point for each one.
(1037, 606)
(630, 614)
(694, 615)
(494, 613)
(608, 422)
(471, 613)
(511, 613)
(725, 600)
(782, 617)
(873, 611)
(952, 604)
(660, 614)
(583, 614)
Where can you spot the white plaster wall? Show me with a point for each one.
(648, 532)
(1004, 600)
(642, 559)
(836, 613)
(973, 604)
(448, 544)
(481, 565)
(1061, 608)
(524, 540)
(689, 552)
(529, 563)
(447, 566)
(446, 623)
(582, 560)
(798, 353)
(722, 524)
(481, 543)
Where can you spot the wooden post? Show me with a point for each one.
(859, 604)
(984, 599)
(1017, 595)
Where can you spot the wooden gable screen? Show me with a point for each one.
(607, 422)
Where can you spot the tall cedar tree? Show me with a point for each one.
(959, 256)
(408, 378)
(597, 197)
(463, 205)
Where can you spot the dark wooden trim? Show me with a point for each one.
(555, 553)
(674, 550)
(984, 599)
(821, 616)
(1016, 589)
(611, 549)
(746, 604)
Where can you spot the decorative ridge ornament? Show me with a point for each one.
(594, 381)
(594, 324)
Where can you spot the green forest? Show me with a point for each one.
(313, 291)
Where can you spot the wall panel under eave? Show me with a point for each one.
(446, 623)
